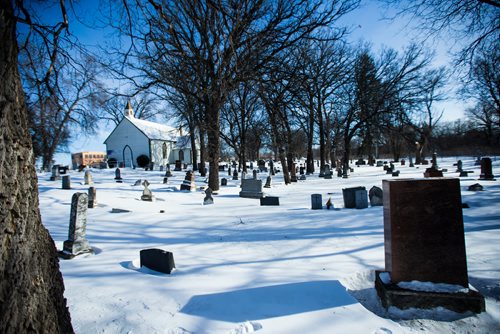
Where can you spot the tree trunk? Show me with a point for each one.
(194, 151)
(31, 286)
(213, 129)
(202, 151)
(310, 138)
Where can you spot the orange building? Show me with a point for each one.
(90, 159)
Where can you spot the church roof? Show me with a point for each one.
(153, 130)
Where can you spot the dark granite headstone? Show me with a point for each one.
(395, 173)
(475, 187)
(158, 260)
(424, 241)
(165, 180)
(361, 199)
(235, 174)
(66, 182)
(118, 176)
(251, 188)
(269, 201)
(77, 243)
(92, 197)
(459, 166)
(316, 202)
(223, 182)
(254, 174)
(178, 165)
(137, 183)
(423, 226)
(486, 170)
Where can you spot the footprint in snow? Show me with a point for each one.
(247, 327)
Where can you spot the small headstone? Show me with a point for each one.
(302, 177)
(55, 173)
(161, 168)
(327, 172)
(208, 197)
(222, 168)
(66, 182)
(165, 180)
(270, 201)
(87, 178)
(188, 183)
(316, 202)
(361, 198)
(223, 182)
(486, 170)
(268, 182)
(117, 210)
(138, 182)
(254, 174)
(158, 260)
(475, 187)
(376, 196)
(235, 174)
(178, 166)
(395, 173)
(147, 195)
(411, 162)
(168, 173)
(229, 171)
(92, 195)
(271, 167)
(403, 162)
(118, 176)
(77, 243)
(380, 163)
(477, 162)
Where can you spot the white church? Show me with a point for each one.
(133, 137)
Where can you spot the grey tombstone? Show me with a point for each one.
(92, 198)
(316, 202)
(235, 174)
(157, 259)
(268, 182)
(161, 168)
(77, 243)
(270, 201)
(208, 197)
(349, 195)
(376, 196)
(147, 195)
(327, 172)
(380, 163)
(55, 173)
(223, 182)
(395, 173)
(251, 188)
(66, 182)
(87, 178)
(137, 183)
(254, 174)
(361, 199)
(251, 165)
(118, 176)
(165, 180)
(475, 187)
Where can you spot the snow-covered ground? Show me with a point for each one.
(243, 268)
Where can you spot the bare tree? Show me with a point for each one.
(220, 43)
(31, 286)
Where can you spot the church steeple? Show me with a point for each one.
(128, 110)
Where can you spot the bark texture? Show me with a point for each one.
(31, 285)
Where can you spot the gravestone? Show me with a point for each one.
(459, 166)
(411, 162)
(235, 174)
(251, 165)
(137, 183)
(302, 177)
(316, 202)
(223, 182)
(424, 241)
(92, 198)
(361, 199)
(229, 171)
(395, 173)
(55, 173)
(486, 170)
(376, 196)
(147, 195)
(157, 259)
(66, 182)
(161, 168)
(208, 197)
(168, 173)
(433, 171)
(268, 182)
(251, 188)
(188, 183)
(77, 243)
(301, 170)
(329, 204)
(222, 168)
(271, 167)
(403, 162)
(339, 172)
(165, 180)
(327, 172)
(475, 187)
(87, 178)
(243, 176)
(118, 176)
(270, 201)
(349, 195)
(178, 166)
(254, 174)
(380, 163)
(477, 162)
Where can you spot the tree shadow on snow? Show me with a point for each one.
(269, 301)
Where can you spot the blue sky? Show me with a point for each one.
(367, 24)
